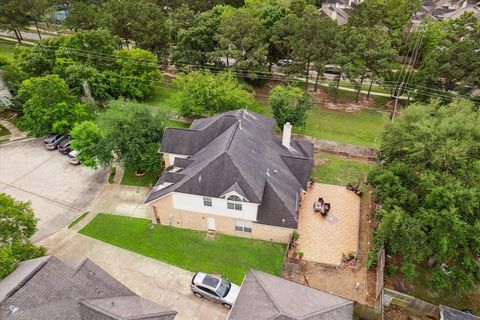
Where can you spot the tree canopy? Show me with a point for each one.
(290, 104)
(18, 225)
(205, 93)
(429, 193)
(48, 106)
(126, 132)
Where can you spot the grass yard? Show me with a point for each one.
(360, 128)
(6, 48)
(163, 97)
(3, 131)
(229, 256)
(129, 178)
(334, 170)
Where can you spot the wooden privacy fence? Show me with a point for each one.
(413, 305)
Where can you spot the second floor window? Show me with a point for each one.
(234, 203)
(207, 201)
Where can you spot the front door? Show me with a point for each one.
(211, 224)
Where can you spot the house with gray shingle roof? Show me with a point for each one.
(232, 174)
(47, 289)
(267, 297)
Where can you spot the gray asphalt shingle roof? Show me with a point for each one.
(447, 313)
(239, 148)
(48, 289)
(264, 296)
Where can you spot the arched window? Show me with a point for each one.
(234, 202)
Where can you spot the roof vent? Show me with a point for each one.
(98, 291)
(275, 170)
(13, 309)
(240, 124)
(268, 172)
(199, 179)
(91, 274)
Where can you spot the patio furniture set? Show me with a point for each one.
(321, 206)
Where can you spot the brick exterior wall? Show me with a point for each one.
(163, 212)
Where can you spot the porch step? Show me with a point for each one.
(210, 234)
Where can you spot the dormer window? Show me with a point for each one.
(234, 203)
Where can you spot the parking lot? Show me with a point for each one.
(59, 191)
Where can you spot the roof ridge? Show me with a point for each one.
(254, 272)
(230, 139)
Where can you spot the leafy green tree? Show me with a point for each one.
(87, 138)
(290, 104)
(81, 78)
(83, 16)
(14, 16)
(116, 16)
(429, 193)
(91, 47)
(195, 44)
(135, 74)
(129, 129)
(149, 29)
(204, 93)
(18, 225)
(181, 18)
(450, 57)
(393, 14)
(242, 38)
(40, 59)
(48, 106)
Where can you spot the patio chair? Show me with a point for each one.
(326, 207)
(321, 201)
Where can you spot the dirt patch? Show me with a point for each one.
(393, 312)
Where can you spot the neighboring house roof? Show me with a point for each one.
(46, 288)
(264, 296)
(447, 313)
(239, 150)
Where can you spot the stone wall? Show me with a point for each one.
(413, 305)
(164, 213)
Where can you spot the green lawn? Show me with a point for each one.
(3, 131)
(334, 170)
(129, 178)
(163, 97)
(6, 48)
(229, 256)
(360, 128)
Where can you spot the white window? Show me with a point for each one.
(234, 203)
(243, 225)
(207, 201)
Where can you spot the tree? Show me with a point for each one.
(91, 47)
(17, 225)
(290, 104)
(196, 44)
(135, 74)
(393, 14)
(117, 16)
(450, 55)
(149, 29)
(37, 9)
(83, 16)
(181, 18)
(87, 138)
(204, 93)
(242, 38)
(126, 132)
(429, 193)
(14, 16)
(48, 106)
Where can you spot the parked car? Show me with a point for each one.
(332, 70)
(52, 141)
(64, 147)
(72, 157)
(214, 288)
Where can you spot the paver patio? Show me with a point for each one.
(325, 239)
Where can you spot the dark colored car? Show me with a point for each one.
(64, 147)
(52, 141)
(332, 70)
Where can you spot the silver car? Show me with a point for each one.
(215, 288)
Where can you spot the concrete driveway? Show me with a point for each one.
(59, 192)
(149, 278)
